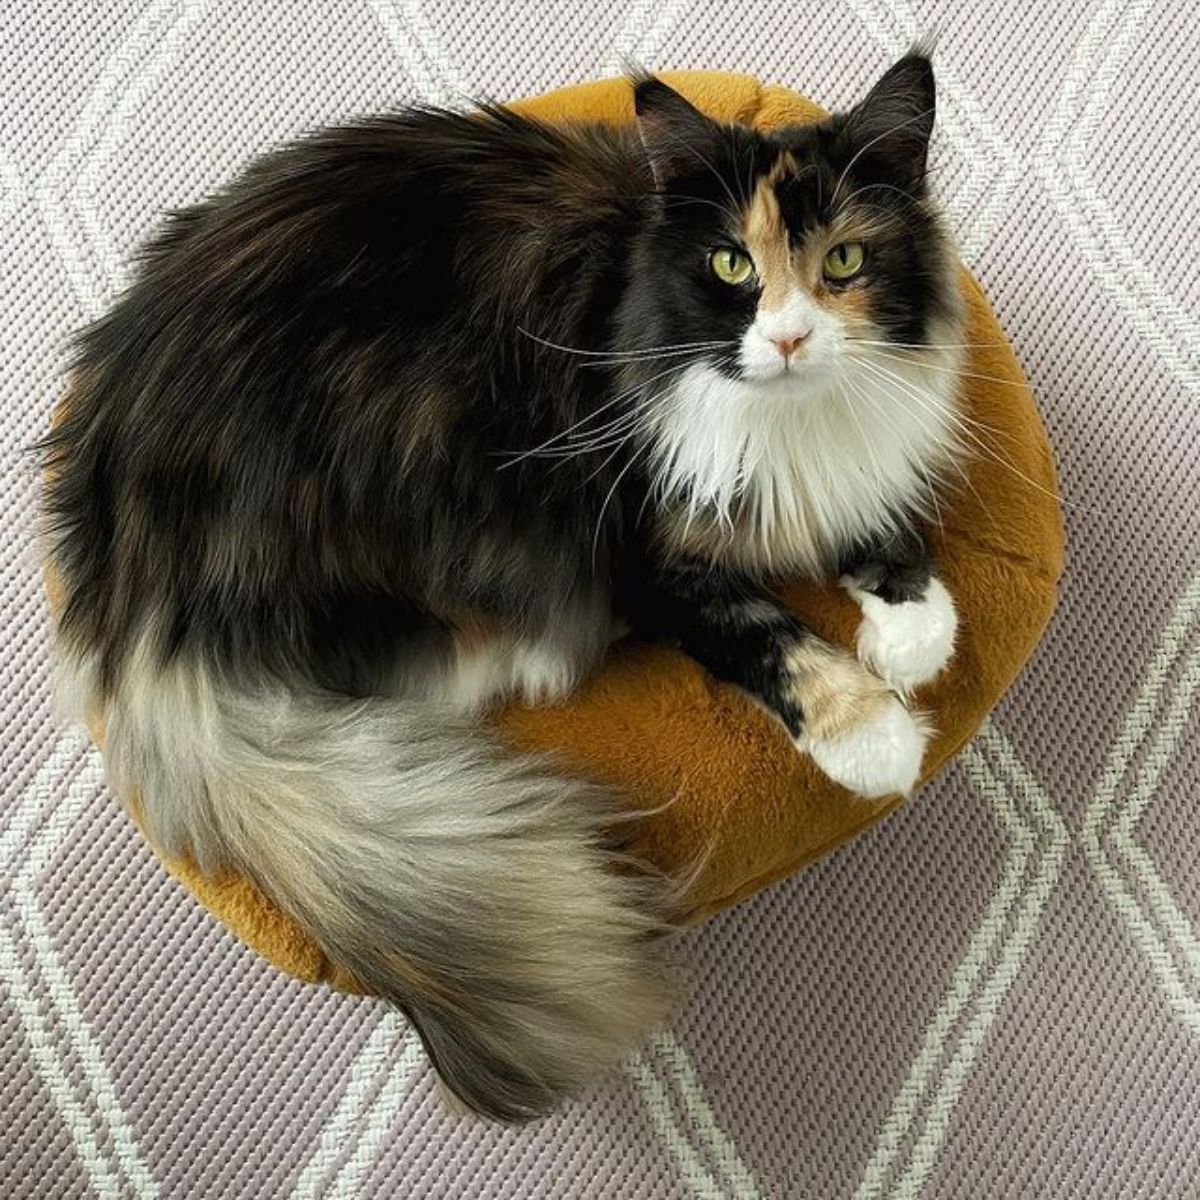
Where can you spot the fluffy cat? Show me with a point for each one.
(416, 415)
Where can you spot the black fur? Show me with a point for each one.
(289, 434)
(329, 426)
(292, 435)
(896, 567)
(723, 620)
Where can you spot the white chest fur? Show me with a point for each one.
(783, 475)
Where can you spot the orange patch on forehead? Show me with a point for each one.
(766, 235)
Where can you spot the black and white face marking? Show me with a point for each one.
(815, 280)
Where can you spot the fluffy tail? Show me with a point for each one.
(477, 891)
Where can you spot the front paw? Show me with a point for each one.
(854, 727)
(909, 643)
(879, 756)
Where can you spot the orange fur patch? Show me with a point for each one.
(833, 690)
(767, 238)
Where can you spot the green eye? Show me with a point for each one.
(730, 266)
(844, 261)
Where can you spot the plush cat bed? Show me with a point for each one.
(728, 787)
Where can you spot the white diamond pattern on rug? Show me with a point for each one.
(148, 1054)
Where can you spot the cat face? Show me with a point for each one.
(790, 255)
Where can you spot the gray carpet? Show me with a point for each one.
(995, 994)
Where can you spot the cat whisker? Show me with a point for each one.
(933, 482)
(899, 357)
(520, 455)
(603, 440)
(673, 198)
(715, 173)
(616, 436)
(637, 354)
(605, 433)
(963, 421)
(952, 461)
(744, 185)
(890, 345)
(637, 420)
(965, 430)
(608, 458)
(658, 485)
(634, 416)
(870, 187)
(874, 360)
(642, 449)
(866, 441)
(617, 356)
(633, 358)
(613, 433)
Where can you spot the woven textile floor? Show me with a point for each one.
(994, 994)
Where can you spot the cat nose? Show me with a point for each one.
(787, 346)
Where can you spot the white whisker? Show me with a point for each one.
(963, 427)
(899, 357)
(890, 427)
(691, 149)
(871, 187)
(643, 449)
(890, 345)
(937, 479)
(521, 455)
(674, 198)
(866, 441)
(619, 356)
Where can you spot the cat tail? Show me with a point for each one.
(478, 891)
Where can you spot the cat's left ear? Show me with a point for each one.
(677, 135)
(889, 130)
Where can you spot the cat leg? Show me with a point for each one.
(909, 622)
(836, 710)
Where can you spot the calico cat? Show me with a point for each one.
(415, 416)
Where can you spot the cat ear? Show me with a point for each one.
(889, 130)
(674, 132)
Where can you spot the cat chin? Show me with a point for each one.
(802, 382)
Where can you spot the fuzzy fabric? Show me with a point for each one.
(729, 789)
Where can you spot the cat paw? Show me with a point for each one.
(909, 643)
(879, 756)
(543, 673)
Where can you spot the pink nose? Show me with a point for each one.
(787, 346)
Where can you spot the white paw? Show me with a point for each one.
(542, 672)
(906, 644)
(880, 756)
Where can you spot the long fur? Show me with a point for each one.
(481, 892)
(410, 419)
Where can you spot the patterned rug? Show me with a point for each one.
(995, 994)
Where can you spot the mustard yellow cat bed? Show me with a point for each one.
(653, 724)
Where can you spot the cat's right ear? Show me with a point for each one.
(676, 135)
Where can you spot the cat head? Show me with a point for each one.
(789, 253)
(795, 301)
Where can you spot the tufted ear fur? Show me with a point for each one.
(677, 136)
(888, 131)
